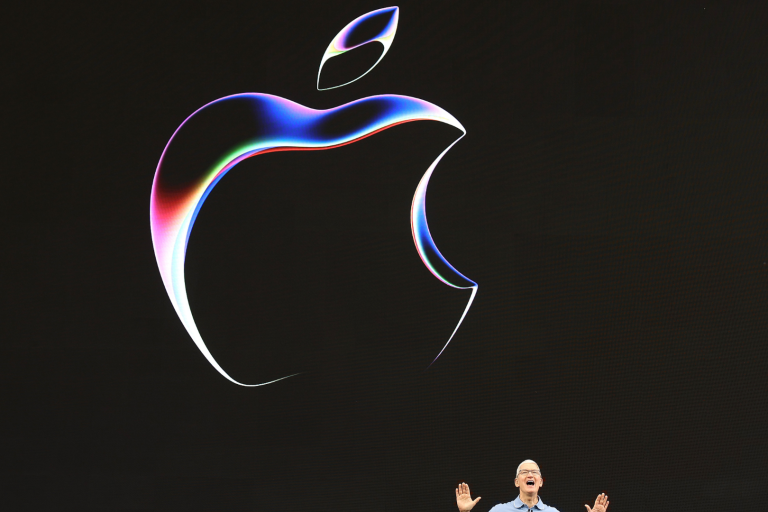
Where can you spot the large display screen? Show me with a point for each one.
(223, 283)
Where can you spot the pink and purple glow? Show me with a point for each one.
(266, 123)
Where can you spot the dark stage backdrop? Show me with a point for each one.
(609, 199)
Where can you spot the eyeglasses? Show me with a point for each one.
(533, 472)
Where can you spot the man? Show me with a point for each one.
(528, 478)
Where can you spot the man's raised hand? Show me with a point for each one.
(464, 500)
(601, 504)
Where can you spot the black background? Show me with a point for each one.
(609, 198)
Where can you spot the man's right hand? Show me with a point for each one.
(463, 499)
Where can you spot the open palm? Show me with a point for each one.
(601, 504)
(464, 499)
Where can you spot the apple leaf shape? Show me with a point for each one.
(346, 40)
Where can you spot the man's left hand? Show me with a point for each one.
(601, 504)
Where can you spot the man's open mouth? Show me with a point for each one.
(530, 482)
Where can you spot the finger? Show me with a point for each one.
(457, 493)
(463, 488)
(476, 500)
(589, 509)
(606, 505)
(466, 487)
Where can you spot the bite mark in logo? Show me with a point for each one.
(269, 123)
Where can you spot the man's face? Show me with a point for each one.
(529, 478)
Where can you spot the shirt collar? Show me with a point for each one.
(518, 503)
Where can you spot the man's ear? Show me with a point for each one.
(517, 484)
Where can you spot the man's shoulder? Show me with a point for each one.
(510, 507)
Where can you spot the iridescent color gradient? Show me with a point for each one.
(227, 131)
(341, 43)
(277, 124)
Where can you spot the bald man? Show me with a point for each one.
(529, 480)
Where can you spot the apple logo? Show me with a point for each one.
(228, 130)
